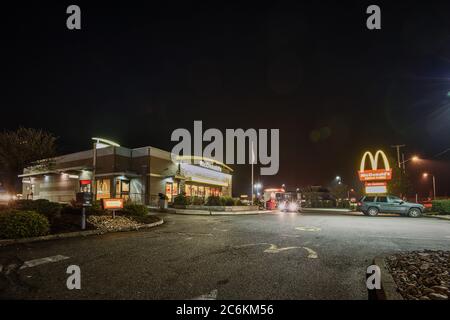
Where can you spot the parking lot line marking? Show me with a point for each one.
(311, 229)
(274, 249)
(250, 245)
(209, 296)
(311, 253)
(37, 262)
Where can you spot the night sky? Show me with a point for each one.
(135, 72)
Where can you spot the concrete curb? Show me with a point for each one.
(67, 235)
(216, 213)
(437, 217)
(326, 210)
(388, 289)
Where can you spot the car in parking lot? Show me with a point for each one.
(372, 205)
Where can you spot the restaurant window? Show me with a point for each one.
(201, 191)
(123, 189)
(188, 190)
(169, 189)
(194, 191)
(175, 189)
(103, 189)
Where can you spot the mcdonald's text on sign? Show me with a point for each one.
(379, 174)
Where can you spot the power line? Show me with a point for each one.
(441, 153)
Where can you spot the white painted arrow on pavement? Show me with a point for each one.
(209, 296)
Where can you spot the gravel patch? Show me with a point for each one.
(421, 275)
(107, 223)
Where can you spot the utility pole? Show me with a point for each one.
(398, 146)
(403, 162)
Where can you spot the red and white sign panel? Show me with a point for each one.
(379, 174)
(112, 204)
(375, 184)
(376, 189)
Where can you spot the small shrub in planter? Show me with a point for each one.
(214, 201)
(96, 209)
(228, 201)
(197, 201)
(23, 224)
(133, 209)
(180, 200)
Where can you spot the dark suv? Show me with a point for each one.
(372, 205)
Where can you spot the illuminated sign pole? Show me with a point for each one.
(375, 180)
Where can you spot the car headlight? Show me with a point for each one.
(293, 206)
(281, 206)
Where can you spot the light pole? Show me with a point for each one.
(425, 175)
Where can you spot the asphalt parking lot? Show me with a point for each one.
(268, 256)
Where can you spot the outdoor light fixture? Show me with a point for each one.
(102, 143)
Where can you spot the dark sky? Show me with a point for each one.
(138, 70)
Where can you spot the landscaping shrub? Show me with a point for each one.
(180, 200)
(23, 224)
(51, 210)
(95, 209)
(24, 205)
(133, 209)
(228, 201)
(198, 201)
(214, 201)
(441, 206)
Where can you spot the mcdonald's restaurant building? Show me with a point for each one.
(136, 175)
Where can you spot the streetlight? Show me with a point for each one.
(258, 186)
(413, 159)
(425, 175)
(348, 193)
(283, 186)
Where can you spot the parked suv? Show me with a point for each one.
(372, 205)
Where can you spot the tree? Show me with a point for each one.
(23, 148)
(339, 190)
(400, 184)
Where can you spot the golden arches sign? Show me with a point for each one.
(375, 174)
(374, 160)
